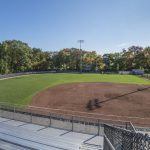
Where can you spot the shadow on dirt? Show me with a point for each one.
(96, 103)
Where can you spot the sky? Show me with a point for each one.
(105, 25)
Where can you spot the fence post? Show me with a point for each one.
(0, 111)
(31, 117)
(98, 127)
(126, 126)
(14, 113)
(49, 119)
(72, 122)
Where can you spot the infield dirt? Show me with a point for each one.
(116, 99)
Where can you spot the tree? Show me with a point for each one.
(146, 62)
(16, 56)
(4, 59)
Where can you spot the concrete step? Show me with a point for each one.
(33, 140)
(10, 146)
(86, 146)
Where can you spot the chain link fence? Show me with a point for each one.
(122, 139)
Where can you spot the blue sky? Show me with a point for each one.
(105, 25)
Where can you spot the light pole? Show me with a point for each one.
(80, 41)
(96, 65)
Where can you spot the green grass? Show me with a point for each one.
(21, 89)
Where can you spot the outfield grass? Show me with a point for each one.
(21, 89)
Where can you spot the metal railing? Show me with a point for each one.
(107, 144)
(129, 126)
(65, 121)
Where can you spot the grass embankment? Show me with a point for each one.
(21, 89)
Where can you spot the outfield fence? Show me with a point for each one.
(146, 76)
(3, 76)
(11, 75)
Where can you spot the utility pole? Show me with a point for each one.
(80, 41)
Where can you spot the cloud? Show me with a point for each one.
(122, 45)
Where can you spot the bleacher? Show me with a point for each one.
(21, 129)
(20, 135)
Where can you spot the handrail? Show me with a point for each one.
(133, 127)
(107, 144)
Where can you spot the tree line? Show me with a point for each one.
(17, 56)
